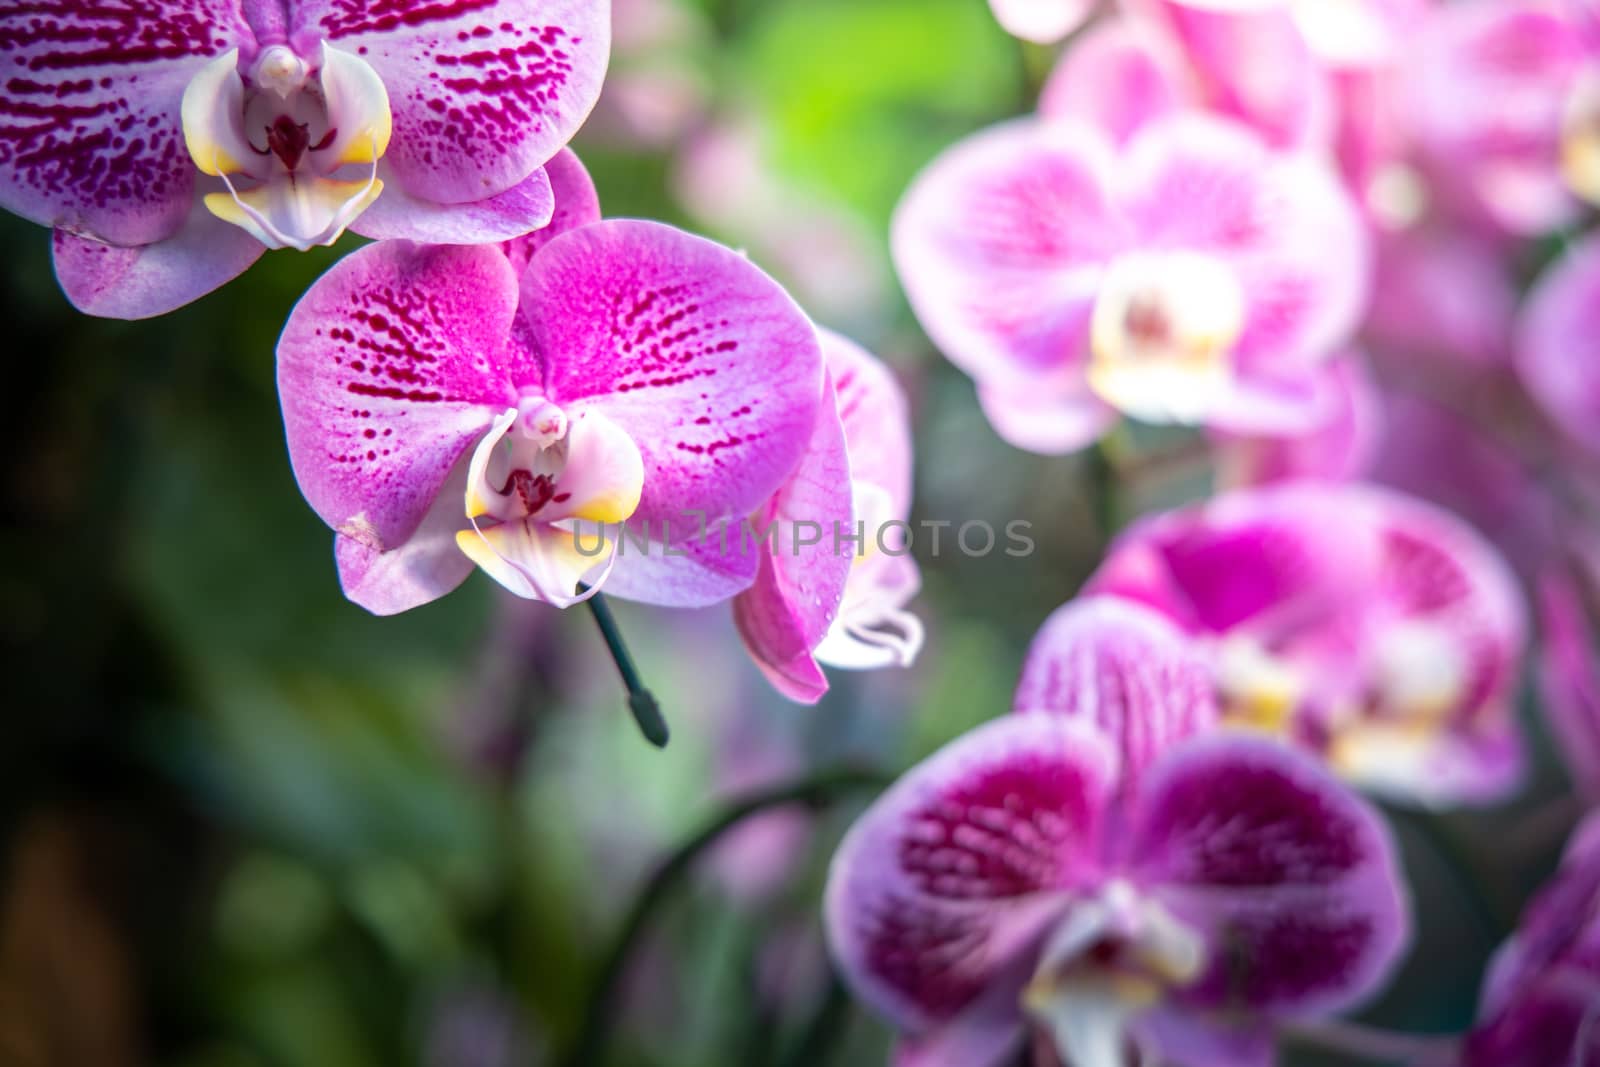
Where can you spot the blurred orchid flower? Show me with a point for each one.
(1506, 107)
(1558, 345)
(1337, 444)
(443, 411)
(1042, 21)
(1368, 627)
(169, 149)
(1106, 872)
(1541, 997)
(1194, 276)
(829, 604)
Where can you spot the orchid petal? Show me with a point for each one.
(1569, 681)
(1123, 669)
(390, 368)
(1116, 78)
(397, 215)
(1001, 243)
(1558, 345)
(424, 568)
(576, 203)
(212, 105)
(704, 361)
(482, 92)
(149, 280)
(1447, 295)
(796, 596)
(1042, 21)
(90, 128)
(691, 566)
(297, 211)
(876, 419)
(1055, 417)
(1337, 444)
(1293, 879)
(358, 101)
(873, 630)
(947, 884)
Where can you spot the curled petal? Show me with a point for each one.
(358, 103)
(483, 91)
(389, 369)
(704, 361)
(1293, 879)
(945, 886)
(873, 630)
(91, 138)
(213, 103)
(795, 600)
(397, 215)
(1123, 669)
(1001, 243)
(1558, 345)
(148, 280)
(1042, 21)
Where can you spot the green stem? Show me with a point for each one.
(822, 1033)
(641, 702)
(588, 1049)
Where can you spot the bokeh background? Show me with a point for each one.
(247, 825)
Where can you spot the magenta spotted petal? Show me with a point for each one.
(389, 371)
(1124, 669)
(398, 215)
(703, 359)
(1558, 345)
(90, 139)
(945, 886)
(483, 91)
(1291, 877)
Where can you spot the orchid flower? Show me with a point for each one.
(1541, 997)
(1507, 109)
(1194, 276)
(840, 601)
(169, 144)
(509, 407)
(1365, 626)
(1105, 872)
(1558, 345)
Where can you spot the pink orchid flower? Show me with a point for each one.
(170, 145)
(1370, 628)
(1558, 345)
(1506, 107)
(840, 601)
(1192, 276)
(1108, 873)
(1541, 997)
(1042, 21)
(509, 407)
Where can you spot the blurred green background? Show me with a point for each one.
(246, 825)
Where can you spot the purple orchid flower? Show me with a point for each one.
(1105, 871)
(169, 144)
(452, 405)
(1193, 276)
(1558, 345)
(836, 602)
(1540, 1005)
(1373, 629)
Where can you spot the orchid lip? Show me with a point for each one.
(286, 142)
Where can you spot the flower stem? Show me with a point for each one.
(641, 702)
(1374, 1045)
(589, 1047)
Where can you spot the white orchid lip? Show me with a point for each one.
(533, 476)
(1162, 335)
(873, 629)
(296, 144)
(1112, 957)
